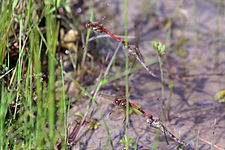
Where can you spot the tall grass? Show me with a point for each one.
(25, 105)
(126, 66)
(91, 9)
(197, 140)
(52, 29)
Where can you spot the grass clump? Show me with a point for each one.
(28, 105)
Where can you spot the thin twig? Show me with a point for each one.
(80, 127)
(7, 31)
(207, 142)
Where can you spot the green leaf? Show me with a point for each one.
(220, 96)
(159, 48)
(171, 85)
(126, 141)
(58, 3)
(67, 8)
(15, 3)
(130, 140)
(122, 142)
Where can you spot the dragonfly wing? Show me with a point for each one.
(104, 98)
(116, 113)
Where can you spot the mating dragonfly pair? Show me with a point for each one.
(132, 50)
(121, 102)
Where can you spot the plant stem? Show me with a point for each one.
(127, 69)
(162, 86)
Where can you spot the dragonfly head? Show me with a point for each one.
(120, 102)
(117, 101)
(88, 24)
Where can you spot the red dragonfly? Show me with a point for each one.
(97, 26)
(121, 102)
(134, 51)
(156, 123)
(153, 122)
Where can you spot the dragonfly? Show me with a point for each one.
(157, 124)
(153, 122)
(121, 102)
(98, 26)
(132, 50)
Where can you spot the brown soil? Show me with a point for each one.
(195, 62)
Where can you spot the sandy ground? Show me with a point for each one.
(193, 108)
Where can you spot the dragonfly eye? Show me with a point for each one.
(117, 102)
(89, 24)
(123, 104)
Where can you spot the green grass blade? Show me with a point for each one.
(127, 69)
(196, 148)
(91, 9)
(62, 110)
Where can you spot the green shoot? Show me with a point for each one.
(160, 51)
(220, 96)
(159, 48)
(136, 143)
(127, 142)
(197, 140)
